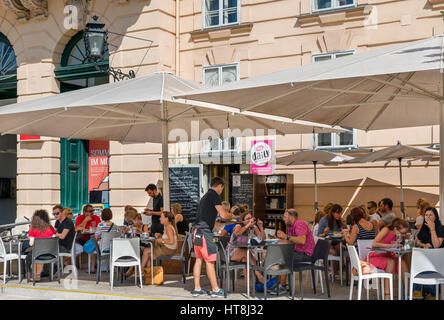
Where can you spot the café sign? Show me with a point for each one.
(261, 156)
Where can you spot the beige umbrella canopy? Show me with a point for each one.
(139, 110)
(313, 157)
(393, 87)
(398, 152)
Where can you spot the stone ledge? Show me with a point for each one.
(334, 16)
(436, 4)
(221, 32)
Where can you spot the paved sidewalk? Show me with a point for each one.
(173, 288)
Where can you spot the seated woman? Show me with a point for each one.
(68, 213)
(333, 222)
(422, 206)
(318, 216)
(228, 229)
(128, 219)
(389, 261)
(136, 222)
(39, 228)
(166, 243)
(179, 219)
(106, 225)
(431, 235)
(240, 235)
(361, 230)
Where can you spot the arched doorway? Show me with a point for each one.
(8, 143)
(75, 73)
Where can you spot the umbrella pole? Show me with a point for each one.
(315, 187)
(402, 192)
(441, 142)
(165, 169)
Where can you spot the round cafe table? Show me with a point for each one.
(399, 252)
(149, 242)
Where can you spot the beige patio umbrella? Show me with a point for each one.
(313, 157)
(398, 152)
(139, 110)
(393, 87)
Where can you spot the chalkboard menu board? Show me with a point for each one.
(185, 188)
(242, 190)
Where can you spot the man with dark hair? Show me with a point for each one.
(373, 211)
(300, 234)
(64, 229)
(84, 222)
(156, 226)
(204, 246)
(385, 207)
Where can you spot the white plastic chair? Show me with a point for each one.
(364, 248)
(339, 259)
(354, 259)
(7, 257)
(426, 260)
(125, 253)
(318, 273)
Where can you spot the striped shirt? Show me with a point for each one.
(105, 227)
(365, 234)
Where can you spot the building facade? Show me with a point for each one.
(213, 42)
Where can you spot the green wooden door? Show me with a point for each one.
(74, 173)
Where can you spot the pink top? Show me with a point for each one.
(299, 228)
(379, 260)
(35, 233)
(389, 238)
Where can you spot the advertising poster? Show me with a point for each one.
(262, 156)
(98, 170)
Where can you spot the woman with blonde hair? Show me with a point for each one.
(179, 218)
(166, 243)
(422, 204)
(68, 213)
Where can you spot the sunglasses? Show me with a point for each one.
(55, 213)
(90, 211)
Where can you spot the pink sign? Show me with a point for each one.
(261, 157)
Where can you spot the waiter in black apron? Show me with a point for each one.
(204, 246)
(156, 226)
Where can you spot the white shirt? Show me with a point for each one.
(419, 221)
(375, 217)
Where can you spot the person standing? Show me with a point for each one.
(204, 246)
(156, 226)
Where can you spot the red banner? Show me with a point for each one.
(98, 165)
(24, 137)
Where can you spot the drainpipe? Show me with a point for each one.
(177, 38)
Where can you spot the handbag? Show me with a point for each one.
(366, 268)
(89, 247)
(157, 275)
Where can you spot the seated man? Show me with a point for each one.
(64, 229)
(300, 234)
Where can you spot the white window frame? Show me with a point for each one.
(331, 54)
(335, 6)
(222, 145)
(220, 68)
(333, 135)
(333, 140)
(221, 12)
